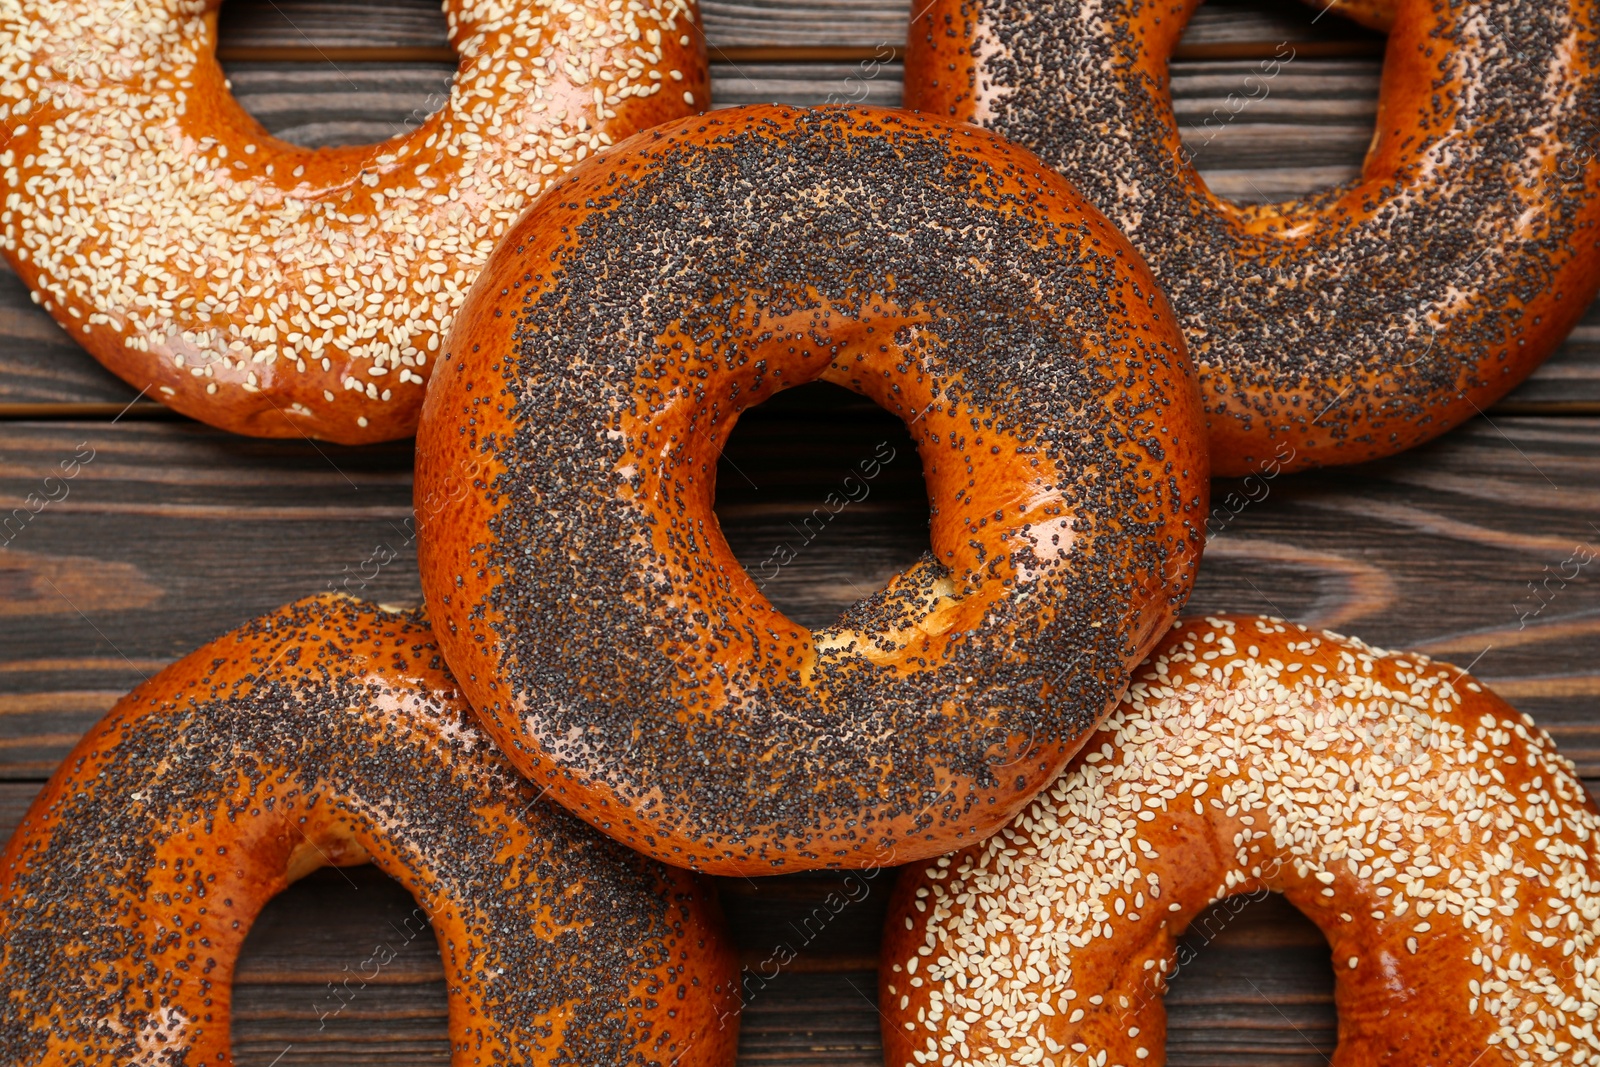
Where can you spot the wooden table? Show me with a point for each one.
(174, 533)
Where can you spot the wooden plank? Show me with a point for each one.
(1308, 131)
(1416, 552)
(1257, 989)
(1569, 381)
(1421, 550)
(344, 30)
(172, 534)
(39, 362)
(317, 104)
(14, 800)
(335, 24)
(862, 82)
(1314, 115)
(165, 502)
(802, 1018)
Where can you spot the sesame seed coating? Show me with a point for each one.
(1433, 833)
(283, 291)
(567, 457)
(329, 732)
(1360, 321)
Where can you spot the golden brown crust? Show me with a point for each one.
(565, 480)
(329, 732)
(1434, 834)
(1353, 323)
(283, 291)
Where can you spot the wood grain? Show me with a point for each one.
(171, 534)
(1257, 994)
(300, 984)
(1307, 130)
(347, 29)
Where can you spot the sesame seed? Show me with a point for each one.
(182, 252)
(1343, 769)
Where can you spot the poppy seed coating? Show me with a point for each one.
(566, 471)
(328, 732)
(1357, 322)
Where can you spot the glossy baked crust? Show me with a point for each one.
(283, 291)
(1443, 846)
(566, 475)
(329, 732)
(1357, 322)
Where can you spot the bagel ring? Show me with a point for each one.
(583, 590)
(1437, 838)
(283, 291)
(329, 733)
(1350, 324)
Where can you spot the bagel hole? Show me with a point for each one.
(1290, 122)
(801, 507)
(300, 67)
(1253, 985)
(341, 966)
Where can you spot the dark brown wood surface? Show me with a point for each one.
(172, 533)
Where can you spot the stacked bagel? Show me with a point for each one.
(601, 706)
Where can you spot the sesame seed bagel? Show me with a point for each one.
(284, 291)
(329, 733)
(1353, 323)
(1434, 834)
(566, 474)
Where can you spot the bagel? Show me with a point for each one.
(571, 559)
(1353, 323)
(282, 291)
(329, 733)
(1442, 845)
